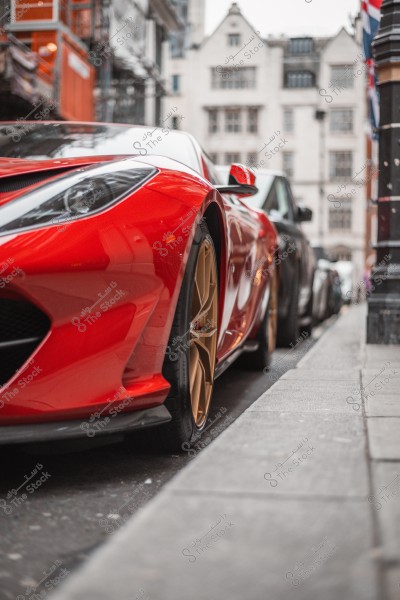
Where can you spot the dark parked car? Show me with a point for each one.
(295, 258)
(327, 287)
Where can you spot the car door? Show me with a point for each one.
(246, 250)
(281, 210)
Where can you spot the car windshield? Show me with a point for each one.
(263, 183)
(41, 141)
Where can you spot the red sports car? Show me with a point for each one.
(124, 280)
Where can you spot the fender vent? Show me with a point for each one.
(22, 328)
(18, 182)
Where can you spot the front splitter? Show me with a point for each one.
(44, 432)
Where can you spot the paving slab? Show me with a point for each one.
(310, 374)
(346, 401)
(392, 583)
(343, 348)
(272, 549)
(250, 453)
(318, 386)
(382, 405)
(377, 355)
(387, 383)
(386, 500)
(340, 362)
(384, 438)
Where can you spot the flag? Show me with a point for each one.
(371, 16)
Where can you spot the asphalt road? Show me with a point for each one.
(86, 494)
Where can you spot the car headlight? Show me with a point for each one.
(78, 194)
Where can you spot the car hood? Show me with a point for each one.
(18, 176)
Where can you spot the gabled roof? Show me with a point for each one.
(332, 39)
(234, 10)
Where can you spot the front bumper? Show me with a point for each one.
(64, 430)
(106, 294)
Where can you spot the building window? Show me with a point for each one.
(233, 78)
(232, 157)
(251, 159)
(342, 120)
(233, 120)
(340, 218)
(301, 46)
(300, 79)
(288, 120)
(288, 163)
(213, 121)
(234, 39)
(176, 83)
(341, 253)
(252, 120)
(340, 165)
(342, 77)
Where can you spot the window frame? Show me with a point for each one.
(337, 111)
(288, 111)
(345, 175)
(236, 36)
(252, 159)
(252, 123)
(213, 123)
(341, 219)
(229, 78)
(176, 83)
(295, 77)
(335, 83)
(290, 172)
(301, 46)
(233, 125)
(232, 154)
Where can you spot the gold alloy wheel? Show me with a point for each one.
(203, 332)
(273, 313)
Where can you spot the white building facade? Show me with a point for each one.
(296, 105)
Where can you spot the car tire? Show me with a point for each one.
(190, 359)
(329, 303)
(308, 327)
(288, 327)
(260, 359)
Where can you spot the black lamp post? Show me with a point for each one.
(320, 117)
(383, 323)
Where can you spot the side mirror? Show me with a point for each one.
(241, 182)
(304, 213)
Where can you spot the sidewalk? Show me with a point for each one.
(289, 502)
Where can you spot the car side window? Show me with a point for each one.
(271, 201)
(277, 202)
(292, 202)
(210, 171)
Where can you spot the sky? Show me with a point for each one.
(290, 17)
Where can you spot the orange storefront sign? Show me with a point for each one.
(76, 85)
